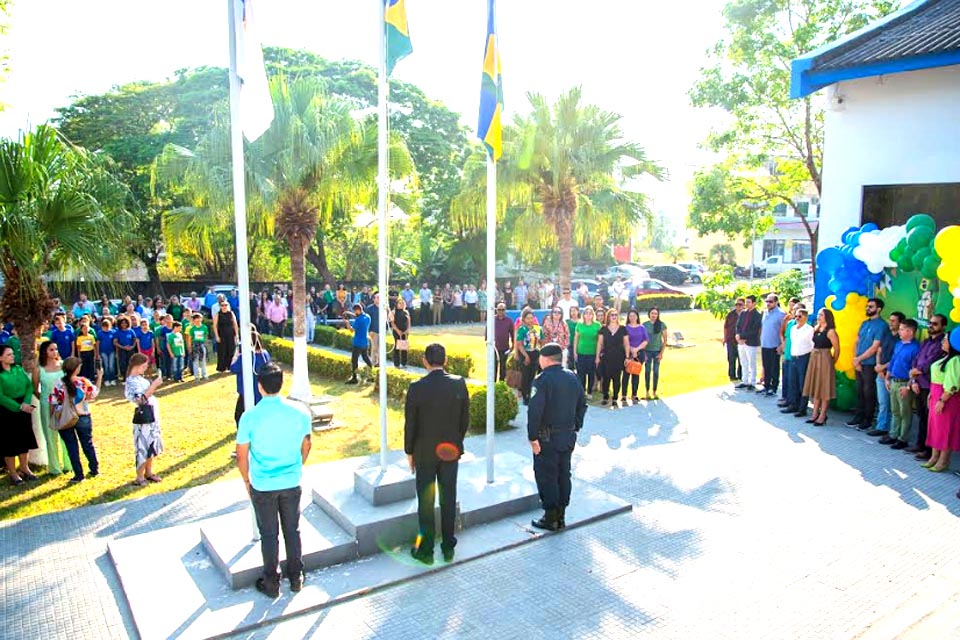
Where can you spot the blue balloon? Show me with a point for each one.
(830, 259)
(840, 302)
(847, 251)
(836, 285)
(854, 239)
(955, 338)
(867, 228)
(845, 236)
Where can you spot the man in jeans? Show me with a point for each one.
(869, 339)
(887, 344)
(770, 345)
(272, 444)
(361, 340)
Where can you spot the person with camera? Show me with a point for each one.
(147, 442)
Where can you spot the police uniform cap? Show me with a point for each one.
(551, 350)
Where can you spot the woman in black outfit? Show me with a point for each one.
(225, 334)
(612, 348)
(400, 325)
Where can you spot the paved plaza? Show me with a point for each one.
(745, 524)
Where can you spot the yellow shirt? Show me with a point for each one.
(85, 342)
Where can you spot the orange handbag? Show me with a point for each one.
(634, 367)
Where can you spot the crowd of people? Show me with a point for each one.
(906, 389)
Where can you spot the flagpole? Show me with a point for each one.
(240, 219)
(383, 181)
(492, 355)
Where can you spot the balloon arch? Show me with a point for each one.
(914, 268)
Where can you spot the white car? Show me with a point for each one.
(628, 272)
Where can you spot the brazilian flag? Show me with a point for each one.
(397, 33)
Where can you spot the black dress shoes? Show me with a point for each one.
(548, 522)
(916, 449)
(447, 555)
(886, 440)
(420, 555)
(899, 444)
(800, 414)
(788, 410)
(853, 423)
(270, 589)
(873, 433)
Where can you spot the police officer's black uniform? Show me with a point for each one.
(554, 416)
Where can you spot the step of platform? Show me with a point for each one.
(379, 527)
(228, 540)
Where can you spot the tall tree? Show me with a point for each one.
(315, 159)
(132, 123)
(773, 143)
(62, 213)
(563, 169)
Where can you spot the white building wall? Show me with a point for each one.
(902, 128)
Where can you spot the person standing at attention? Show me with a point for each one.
(273, 442)
(770, 332)
(437, 413)
(898, 386)
(869, 339)
(557, 407)
(748, 342)
(730, 341)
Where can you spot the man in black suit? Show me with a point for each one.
(437, 415)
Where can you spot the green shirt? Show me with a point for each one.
(949, 378)
(176, 311)
(656, 339)
(198, 335)
(587, 335)
(16, 387)
(14, 343)
(530, 337)
(175, 342)
(786, 340)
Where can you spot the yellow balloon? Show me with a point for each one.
(947, 242)
(848, 321)
(949, 271)
(955, 314)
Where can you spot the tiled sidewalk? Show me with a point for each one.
(746, 524)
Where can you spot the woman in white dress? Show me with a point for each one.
(147, 442)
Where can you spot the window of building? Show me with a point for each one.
(801, 251)
(889, 205)
(772, 248)
(803, 209)
(780, 210)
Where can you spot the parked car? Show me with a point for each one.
(654, 286)
(592, 286)
(628, 272)
(669, 273)
(774, 265)
(744, 272)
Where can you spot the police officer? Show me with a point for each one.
(554, 416)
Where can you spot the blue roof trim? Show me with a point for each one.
(800, 83)
(809, 82)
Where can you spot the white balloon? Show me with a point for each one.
(875, 247)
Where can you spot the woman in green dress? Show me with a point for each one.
(45, 377)
(16, 423)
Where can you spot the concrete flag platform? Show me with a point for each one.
(195, 580)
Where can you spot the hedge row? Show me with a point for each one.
(664, 301)
(337, 367)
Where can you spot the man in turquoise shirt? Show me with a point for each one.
(273, 442)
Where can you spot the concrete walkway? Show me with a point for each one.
(746, 524)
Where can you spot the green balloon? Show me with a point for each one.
(905, 263)
(919, 237)
(920, 255)
(921, 220)
(930, 266)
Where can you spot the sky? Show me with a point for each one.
(637, 58)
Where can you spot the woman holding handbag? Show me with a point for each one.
(72, 395)
(45, 377)
(16, 423)
(634, 365)
(400, 325)
(147, 442)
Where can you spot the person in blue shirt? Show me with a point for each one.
(145, 340)
(234, 300)
(125, 345)
(887, 344)
(361, 341)
(63, 336)
(898, 385)
(5, 333)
(210, 301)
(108, 355)
(770, 344)
(273, 442)
(869, 340)
(260, 357)
(373, 310)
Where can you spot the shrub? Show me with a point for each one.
(324, 335)
(338, 367)
(720, 291)
(506, 407)
(664, 301)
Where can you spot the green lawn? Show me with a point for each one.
(198, 428)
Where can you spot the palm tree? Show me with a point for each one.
(315, 161)
(674, 253)
(61, 213)
(564, 168)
